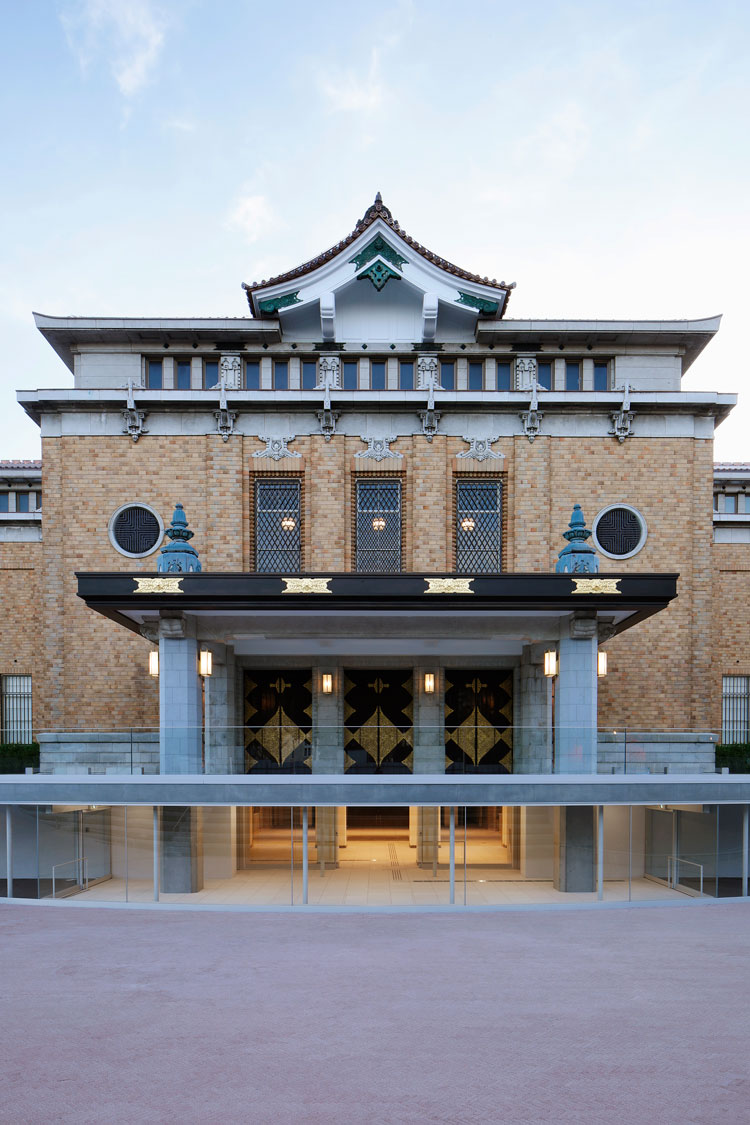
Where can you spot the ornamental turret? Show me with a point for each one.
(579, 557)
(177, 556)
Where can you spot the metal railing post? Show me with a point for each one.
(745, 846)
(453, 856)
(304, 857)
(9, 851)
(600, 852)
(156, 853)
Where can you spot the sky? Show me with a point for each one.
(158, 154)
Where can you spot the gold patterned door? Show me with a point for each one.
(378, 720)
(478, 720)
(278, 720)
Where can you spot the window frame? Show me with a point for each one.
(111, 529)
(374, 479)
(738, 722)
(501, 478)
(187, 362)
(641, 542)
(22, 716)
(148, 361)
(276, 480)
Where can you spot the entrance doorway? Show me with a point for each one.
(360, 819)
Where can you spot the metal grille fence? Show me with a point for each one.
(277, 527)
(379, 526)
(618, 531)
(15, 708)
(136, 530)
(735, 708)
(479, 527)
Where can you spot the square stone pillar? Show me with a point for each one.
(181, 849)
(532, 714)
(223, 729)
(429, 721)
(326, 836)
(328, 721)
(576, 695)
(428, 836)
(180, 699)
(575, 848)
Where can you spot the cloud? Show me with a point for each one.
(128, 33)
(252, 216)
(350, 91)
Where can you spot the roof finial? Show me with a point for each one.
(579, 557)
(178, 555)
(378, 198)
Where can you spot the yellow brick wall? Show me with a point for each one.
(20, 619)
(94, 671)
(731, 618)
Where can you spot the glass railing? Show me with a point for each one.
(398, 748)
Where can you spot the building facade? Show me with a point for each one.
(354, 503)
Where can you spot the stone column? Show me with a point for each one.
(428, 836)
(429, 722)
(532, 711)
(223, 737)
(180, 698)
(575, 848)
(181, 849)
(328, 720)
(326, 835)
(576, 695)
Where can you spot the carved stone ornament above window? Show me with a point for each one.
(378, 448)
(526, 372)
(276, 447)
(480, 449)
(427, 373)
(230, 369)
(329, 373)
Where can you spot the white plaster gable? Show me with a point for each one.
(402, 310)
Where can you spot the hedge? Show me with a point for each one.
(15, 757)
(735, 756)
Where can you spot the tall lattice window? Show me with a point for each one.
(735, 708)
(379, 526)
(15, 709)
(278, 541)
(479, 526)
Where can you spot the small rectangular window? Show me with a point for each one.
(281, 375)
(211, 373)
(601, 380)
(277, 527)
(252, 375)
(377, 376)
(350, 375)
(744, 504)
(572, 376)
(378, 528)
(503, 376)
(15, 709)
(182, 375)
(406, 375)
(4, 501)
(730, 505)
(153, 374)
(476, 376)
(544, 375)
(735, 708)
(309, 375)
(479, 546)
(448, 376)
(22, 502)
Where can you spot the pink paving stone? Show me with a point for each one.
(607, 1015)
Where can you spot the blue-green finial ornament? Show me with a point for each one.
(177, 556)
(579, 557)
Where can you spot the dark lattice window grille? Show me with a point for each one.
(619, 531)
(136, 530)
(479, 526)
(278, 538)
(15, 709)
(735, 708)
(379, 526)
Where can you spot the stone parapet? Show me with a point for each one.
(99, 752)
(656, 752)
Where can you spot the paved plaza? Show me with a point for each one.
(585, 1015)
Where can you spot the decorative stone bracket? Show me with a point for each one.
(531, 419)
(230, 371)
(276, 447)
(378, 448)
(480, 449)
(428, 380)
(329, 378)
(622, 420)
(133, 418)
(225, 418)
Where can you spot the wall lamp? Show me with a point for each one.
(327, 683)
(205, 662)
(550, 662)
(429, 683)
(601, 664)
(153, 663)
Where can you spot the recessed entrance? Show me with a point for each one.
(358, 819)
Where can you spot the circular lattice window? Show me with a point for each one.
(619, 531)
(135, 530)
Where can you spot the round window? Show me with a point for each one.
(619, 531)
(135, 530)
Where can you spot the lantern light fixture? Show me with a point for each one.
(205, 662)
(153, 663)
(550, 663)
(288, 523)
(429, 683)
(467, 523)
(327, 683)
(378, 523)
(601, 663)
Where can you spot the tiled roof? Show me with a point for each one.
(732, 466)
(20, 465)
(378, 210)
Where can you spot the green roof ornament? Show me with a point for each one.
(177, 556)
(579, 557)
